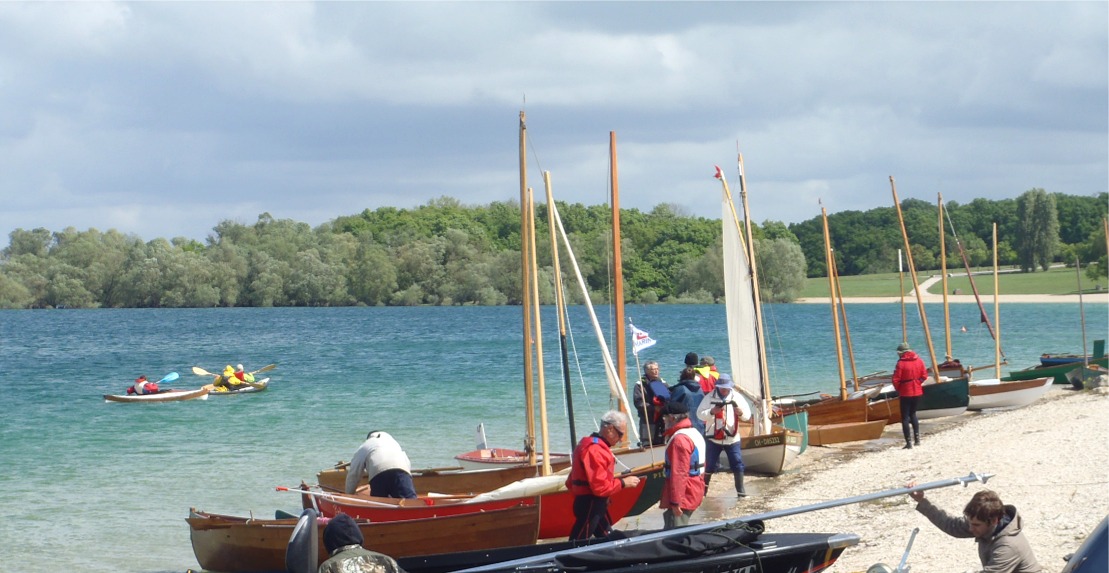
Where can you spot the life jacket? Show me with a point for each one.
(696, 459)
(578, 480)
(705, 378)
(720, 428)
(144, 387)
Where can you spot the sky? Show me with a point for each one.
(162, 119)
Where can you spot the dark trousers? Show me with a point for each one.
(590, 517)
(908, 416)
(393, 483)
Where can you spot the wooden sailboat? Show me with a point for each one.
(992, 392)
(843, 418)
(768, 448)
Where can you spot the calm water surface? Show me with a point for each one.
(103, 487)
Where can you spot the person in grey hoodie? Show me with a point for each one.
(996, 527)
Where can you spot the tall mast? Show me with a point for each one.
(828, 261)
(943, 273)
(618, 268)
(525, 294)
(760, 337)
(996, 310)
(916, 289)
(846, 329)
(545, 468)
(560, 302)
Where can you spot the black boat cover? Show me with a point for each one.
(711, 542)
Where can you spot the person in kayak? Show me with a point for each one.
(228, 380)
(243, 376)
(143, 386)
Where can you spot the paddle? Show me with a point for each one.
(169, 377)
(202, 372)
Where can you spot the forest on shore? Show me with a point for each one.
(447, 253)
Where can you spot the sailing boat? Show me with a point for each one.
(992, 392)
(767, 448)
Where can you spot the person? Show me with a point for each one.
(227, 381)
(688, 391)
(343, 541)
(143, 386)
(592, 479)
(707, 374)
(246, 377)
(996, 527)
(908, 379)
(691, 361)
(722, 410)
(950, 363)
(683, 469)
(648, 397)
(382, 460)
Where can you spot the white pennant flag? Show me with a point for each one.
(640, 339)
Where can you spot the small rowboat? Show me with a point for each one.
(505, 457)
(246, 388)
(170, 395)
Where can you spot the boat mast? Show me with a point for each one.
(545, 469)
(973, 287)
(916, 289)
(618, 270)
(560, 303)
(901, 281)
(525, 296)
(943, 274)
(828, 261)
(996, 310)
(846, 329)
(759, 334)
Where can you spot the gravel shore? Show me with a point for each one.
(1049, 459)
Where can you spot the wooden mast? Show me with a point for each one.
(765, 426)
(943, 273)
(560, 302)
(828, 260)
(545, 468)
(618, 271)
(996, 310)
(525, 295)
(916, 289)
(846, 328)
(901, 281)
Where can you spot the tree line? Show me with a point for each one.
(447, 253)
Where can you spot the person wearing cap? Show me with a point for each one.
(688, 391)
(706, 373)
(343, 541)
(142, 386)
(243, 376)
(383, 462)
(908, 379)
(593, 480)
(683, 467)
(722, 410)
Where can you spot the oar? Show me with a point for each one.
(202, 372)
(169, 377)
(357, 500)
(265, 368)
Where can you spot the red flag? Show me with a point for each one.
(719, 173)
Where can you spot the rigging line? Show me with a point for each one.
(581, 374)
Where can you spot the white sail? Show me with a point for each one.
(743, 346)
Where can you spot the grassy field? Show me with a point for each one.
(1058, 280)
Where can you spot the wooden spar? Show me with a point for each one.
(943, 273)
(560, 303)
(759, 329)
(901, 280)
(1081, 316)
(534, 270)
(525, 296)
(996, 309)
(974, 288)
(916, 288)
(846, 329)
(828, 260)
(617, 271)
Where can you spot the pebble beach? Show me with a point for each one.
(1050, 459)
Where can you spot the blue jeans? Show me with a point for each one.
(713, 451)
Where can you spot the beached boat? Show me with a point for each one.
(1060, 359)
(549, 492)
(246, 545)
(949, 398)
(485, 458)
(994, 393)
(168, 395)
(445, 480)
(827, 434)
(1058, 373)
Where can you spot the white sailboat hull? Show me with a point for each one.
(994, 393)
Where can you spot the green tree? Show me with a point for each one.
(781, 269)
(1037, 230)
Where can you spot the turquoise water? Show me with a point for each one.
(104, 487)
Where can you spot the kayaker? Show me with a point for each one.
(996, 527)
(228, 381)
(592, 477)
(243, 376)
(382, 460)
(143, 386)
(343, 541)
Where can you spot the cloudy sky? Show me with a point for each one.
(163, 119)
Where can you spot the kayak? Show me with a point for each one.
(247, 388)
(170, 395)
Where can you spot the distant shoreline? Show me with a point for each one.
(1102, 297)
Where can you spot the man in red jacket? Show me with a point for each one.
(908, 377)
(592, 477)
(684, 468)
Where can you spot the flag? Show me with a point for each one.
(640, 339)
(719, 173)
